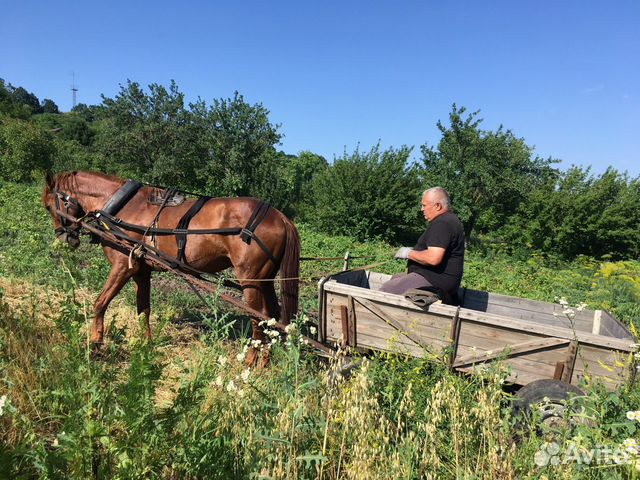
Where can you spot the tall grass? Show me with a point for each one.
(183, 405)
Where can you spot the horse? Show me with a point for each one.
(255, 263)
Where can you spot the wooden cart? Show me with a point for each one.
(535, 338)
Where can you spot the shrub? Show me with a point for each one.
(366, 195)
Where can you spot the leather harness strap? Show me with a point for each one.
(183, 224)
(108, 216)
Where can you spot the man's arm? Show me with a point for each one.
(432, 256)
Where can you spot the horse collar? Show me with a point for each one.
(121, 197)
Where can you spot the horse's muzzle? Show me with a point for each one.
(72, 238)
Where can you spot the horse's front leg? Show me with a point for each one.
(143, 296)
(118, 277)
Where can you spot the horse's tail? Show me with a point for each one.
(289, 269)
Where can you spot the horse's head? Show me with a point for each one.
(57, 200)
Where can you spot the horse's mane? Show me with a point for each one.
(68, 181)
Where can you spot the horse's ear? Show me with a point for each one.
(48, 178)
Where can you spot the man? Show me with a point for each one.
(436, 261)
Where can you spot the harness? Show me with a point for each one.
(109, 220)
(65, 225)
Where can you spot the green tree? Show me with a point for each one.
(28, 99)
(240, 142)
(149, 136)
(25, 150)
(8, 104)
(581, 214)
(375, 194)
(486, 173)
(49, 106)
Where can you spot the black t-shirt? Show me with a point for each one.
(444, 231)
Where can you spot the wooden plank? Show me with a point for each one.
(417, 320)
(470, 344)
(395, 345)
(522, 372)
(510, 351)
(369, 323)
(597, 316)
(614, 327)
(583, 325)
(570, 362)
(454, 336)
(344, 322)
(489, 300)
(519, 378)
(524, 326)
(351, 322)
(386, 317)
(557, 374)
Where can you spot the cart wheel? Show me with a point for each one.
(343, 370)
(549, 398)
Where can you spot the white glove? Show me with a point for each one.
(403, 253)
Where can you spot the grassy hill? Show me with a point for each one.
(184, 406)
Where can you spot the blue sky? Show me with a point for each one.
(565, 76)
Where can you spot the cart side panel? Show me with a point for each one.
(612, 327)
(538, 360)
(524, 309)
(384, 326)
(610, 366)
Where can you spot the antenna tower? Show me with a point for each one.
(74, 89)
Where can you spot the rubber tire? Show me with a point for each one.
(535, 393)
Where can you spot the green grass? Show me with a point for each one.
(184, 406)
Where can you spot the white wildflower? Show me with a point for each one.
(631, 415)
(630, 445)
(240, 356)
(245, 375)
(290, 328)
(231, 387)
(55, 442)
(271, 322)
(241, 393)
(581, 306)
(273, 333)
(222, 360)
(262, 322)
(313, 330)
(563, 301)
(274, 340)
(568, 311)
(219, 381)
(256, 343)
(3, 402)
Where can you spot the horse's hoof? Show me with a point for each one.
(97, 350)
(264, 360)
(251, 358)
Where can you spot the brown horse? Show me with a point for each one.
(85, 192)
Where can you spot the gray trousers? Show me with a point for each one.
(402, 282)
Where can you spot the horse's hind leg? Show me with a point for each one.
(261, 297)
(143, 296)
(119, 275)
